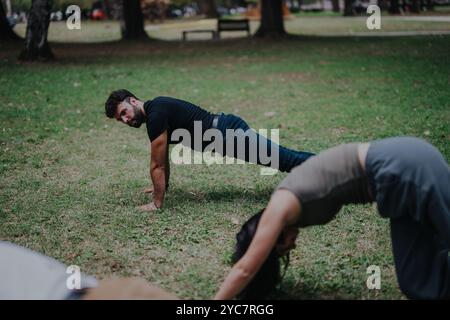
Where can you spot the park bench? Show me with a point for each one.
(223, 25)
(213, 33)
(233, 25)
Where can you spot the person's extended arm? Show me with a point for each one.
(151, 189)
(282, 210)
(158, 171)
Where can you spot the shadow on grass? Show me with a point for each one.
(106, 52)
(220, 194)
(311, 288)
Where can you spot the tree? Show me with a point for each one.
(133, 20)
(116, 8)
(6, 32)
(208, 8)
(107, 8)
(415, 6)
(348, 8)
(383, 4)
(36, 45)
(394, 7)
(272, 24)
(7, 4)
(335, 4)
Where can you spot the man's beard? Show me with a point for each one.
(138, 119)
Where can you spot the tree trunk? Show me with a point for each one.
(415, 6)
(335, 4)
(107, 8)
(291, 5)
(36, 45)
(8, 7)
(116, 8)
(430, 5)
(208, 8)
(6, 33)
(348, 9)
(382, 4)
(272, 24)
(133, 21)
(394, 7)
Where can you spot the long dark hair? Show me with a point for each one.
(268, 276)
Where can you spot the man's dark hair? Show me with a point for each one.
(265, 281)
(114, 99)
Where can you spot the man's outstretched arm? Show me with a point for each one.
(158, 171)
(167, 168)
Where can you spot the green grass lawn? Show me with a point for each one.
(71, 179)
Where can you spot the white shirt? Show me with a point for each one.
(25, 274)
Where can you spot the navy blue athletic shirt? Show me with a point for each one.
(165, 113)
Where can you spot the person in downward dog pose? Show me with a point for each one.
(409, 180)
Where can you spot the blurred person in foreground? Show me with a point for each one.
(29, 275)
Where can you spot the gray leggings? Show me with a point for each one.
(410, 181)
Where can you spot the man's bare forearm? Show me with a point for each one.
(158, 176)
